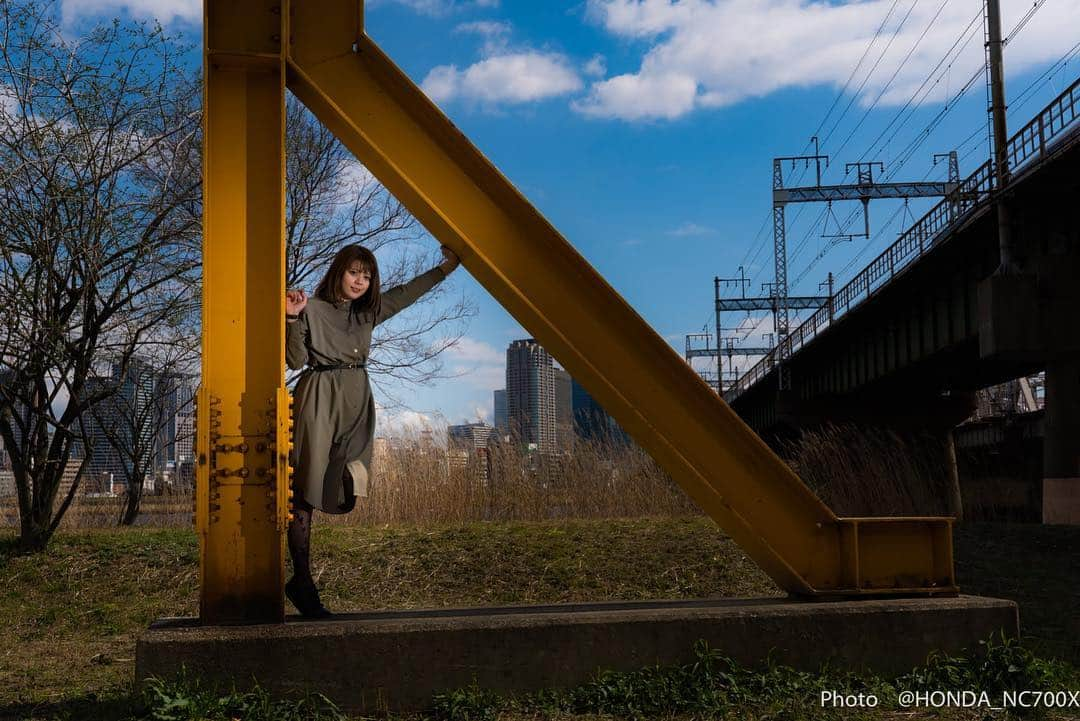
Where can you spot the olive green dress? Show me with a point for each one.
(333, 410)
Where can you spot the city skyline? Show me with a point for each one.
(148, 416)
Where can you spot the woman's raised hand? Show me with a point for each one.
(295, 301)
(450, 260)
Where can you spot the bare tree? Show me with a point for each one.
(331, 201)
(100, 214)
(99, 224)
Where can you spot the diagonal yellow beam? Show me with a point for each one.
(463, 200)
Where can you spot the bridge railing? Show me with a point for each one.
(1032, 141)
(1034, 138)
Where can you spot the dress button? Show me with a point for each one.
(355, 350)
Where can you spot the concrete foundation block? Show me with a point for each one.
(397, 660)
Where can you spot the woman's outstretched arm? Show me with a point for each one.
(401, 297)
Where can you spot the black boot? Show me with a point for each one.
(306, 599)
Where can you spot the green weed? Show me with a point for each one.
(187, 699)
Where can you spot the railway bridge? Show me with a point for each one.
(908, 342)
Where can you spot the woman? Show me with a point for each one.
(334, 411)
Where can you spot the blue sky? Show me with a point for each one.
(644, 130)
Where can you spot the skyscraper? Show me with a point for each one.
(591, 421)
(564, 410)
(175, 461)
(176, 434)
(502, 424)
(470, 436)
(126, 423)
(530, 394)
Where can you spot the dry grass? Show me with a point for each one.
(861, 471)
(596, 480)
(856, 471)
(417, 485)
(172, 510)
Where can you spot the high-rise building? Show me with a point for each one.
(530, 394)
(67, 479)
(564, 410)
(591, 421)
(502, 424)
(468, 443)
(469, 435)
(124, 422)
(176, 434)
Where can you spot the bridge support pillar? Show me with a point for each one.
(1061, 445)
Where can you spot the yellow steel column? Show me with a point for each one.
(241, 475)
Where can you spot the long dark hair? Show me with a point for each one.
(330, 285)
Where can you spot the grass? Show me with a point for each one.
(73, 613)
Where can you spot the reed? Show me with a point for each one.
(856, 471)
(418, 484)
(596, 479)
(864, 471)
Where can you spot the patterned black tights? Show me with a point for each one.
(300, 541)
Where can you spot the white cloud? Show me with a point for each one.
(9, 101)
(442, 83)
(478, 364)
(406, 423)
(640, 97)
(688, 229)
(596, 67)
(475, 351)
(496, 35)
(484, 27)
(355, 177)
(519, 77)
(437, 8)
(485, 378)
(164, 11)
(711, 53)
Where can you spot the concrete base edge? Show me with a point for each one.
(398, 660)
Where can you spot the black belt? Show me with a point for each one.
(338, 366)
